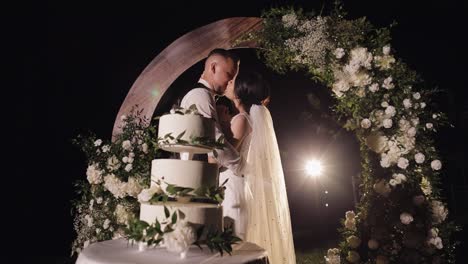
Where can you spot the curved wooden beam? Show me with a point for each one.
(179, 56)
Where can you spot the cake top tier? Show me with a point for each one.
(185, 130)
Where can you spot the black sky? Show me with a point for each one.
(79, 61)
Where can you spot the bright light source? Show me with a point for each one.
(326, 191)
(326, 205)
(313, 168)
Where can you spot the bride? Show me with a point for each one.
(257, 202)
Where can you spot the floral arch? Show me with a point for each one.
(401, 216)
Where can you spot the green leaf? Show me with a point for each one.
(166, 212)
(174, 217)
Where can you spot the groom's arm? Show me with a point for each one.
(206, 105)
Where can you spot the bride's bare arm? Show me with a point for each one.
(240, 128)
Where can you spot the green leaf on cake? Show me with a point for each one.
(174, 217)
(166, 212)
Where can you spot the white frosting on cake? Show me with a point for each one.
(184, 173)
(193, 125)
(210, 215)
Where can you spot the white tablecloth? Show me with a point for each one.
(119, 251)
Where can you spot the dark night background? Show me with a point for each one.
(80, 60)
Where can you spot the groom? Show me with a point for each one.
(220, 68)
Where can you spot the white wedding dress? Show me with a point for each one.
(258, 202)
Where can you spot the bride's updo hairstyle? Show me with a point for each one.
(251, 88)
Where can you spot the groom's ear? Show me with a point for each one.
(213, 67)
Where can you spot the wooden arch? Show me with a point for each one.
(179, 56)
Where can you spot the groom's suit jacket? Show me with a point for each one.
(204, 99)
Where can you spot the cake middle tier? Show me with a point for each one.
(184, 173)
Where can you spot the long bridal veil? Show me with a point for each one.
(268, 217)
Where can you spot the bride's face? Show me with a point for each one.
(229, 93)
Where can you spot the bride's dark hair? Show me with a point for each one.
(251, 88)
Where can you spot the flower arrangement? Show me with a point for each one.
(401, 216)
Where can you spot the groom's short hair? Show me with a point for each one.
(224, 53)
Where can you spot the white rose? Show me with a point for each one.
(94, 175)
(130, 160)
(390, 110)
(353, 241)
(411, 131)
(105, 148)
(393, 182)
(97, 143)
(436, 165)
(387, 123)
(127, 145)
(406, 218)
(373, 244)
(434, 116)
(179, 240)
(423, 105)
(144, 148)
(339, 53)
(399, 177)
(365, 123)
(353, 257)
(407, 103)
(115, 186)
(131, 155)
(374, 87)
(385, 161)
(437, 242)
(125, 159)
(384, 104)
(419, 157)
(129, 167)
(429, 125)
(403, 163)
(388, 83)
(417, 96)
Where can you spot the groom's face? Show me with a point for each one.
(224, 72)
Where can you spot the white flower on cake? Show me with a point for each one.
(419, 157)
(353, 257)
(373, 244)
(374, 87)
(146, 194)
(127, 145)
(179, 240)
(407, 103)
(417, 96)
(436, 165)
(113, 163)
(115, 186)
(97, 143)
(439, 212)
(94, 175)
(339, 53)
(406, 218)
(403, 163)
(365, 123)
(387, 84)
(353, 241)
(387, 123)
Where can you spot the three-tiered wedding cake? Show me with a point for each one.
(182, 133)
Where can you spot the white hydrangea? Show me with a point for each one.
(360, 56)
(94, 175)
(388, 83)
(411, 132)
(113, 163)
(339, 53)
(403, 163)
(360, 79)
(439, 212)
(407, 103)
(366, 123)
(179, 240)
(115, 186)
(417, 96)
(387, 123)
(289, 20)
(121, 214)
(436, 165)
(374, 87)
(127, 145)
(97, 143)
(133, 187)
(419, 157)
(406, 218)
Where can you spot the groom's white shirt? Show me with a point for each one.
(204, 99)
